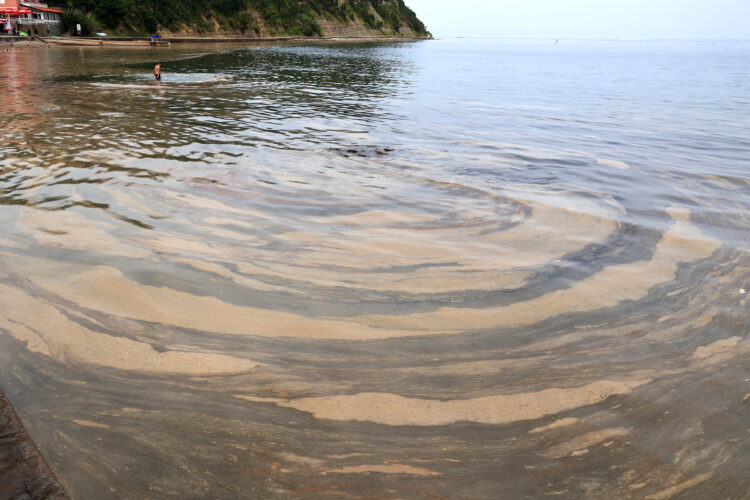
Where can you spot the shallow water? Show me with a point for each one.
(457, 268)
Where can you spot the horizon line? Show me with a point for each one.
(580, 38)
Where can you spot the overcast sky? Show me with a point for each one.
(586, 18)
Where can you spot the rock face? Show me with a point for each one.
(350, 29)
(370, 17)
(23, 472)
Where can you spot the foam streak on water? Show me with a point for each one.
(450, 269)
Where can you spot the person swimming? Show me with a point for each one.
(157, 71)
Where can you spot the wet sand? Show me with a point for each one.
(172, 390)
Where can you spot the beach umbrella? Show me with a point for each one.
(13, 10)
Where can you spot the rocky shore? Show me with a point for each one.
(23, 472)
(130, 42)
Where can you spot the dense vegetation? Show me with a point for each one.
(293, 17)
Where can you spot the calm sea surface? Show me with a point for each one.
(455, 268)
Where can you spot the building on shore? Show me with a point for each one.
(31, 17)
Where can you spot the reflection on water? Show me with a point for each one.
(342, 269)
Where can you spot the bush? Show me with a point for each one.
(150, 23)
(310, 26)
(70, 20)
(111, 12)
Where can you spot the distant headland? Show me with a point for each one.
(246, 18)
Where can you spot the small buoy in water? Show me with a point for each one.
(743, 291)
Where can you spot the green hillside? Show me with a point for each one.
(251, 17)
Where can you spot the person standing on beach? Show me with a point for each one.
(157, 71)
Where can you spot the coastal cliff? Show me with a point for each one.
(255, 18)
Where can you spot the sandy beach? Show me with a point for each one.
(165, 42)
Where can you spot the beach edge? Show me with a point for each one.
(23, 470)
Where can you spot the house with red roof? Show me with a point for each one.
(31, 17)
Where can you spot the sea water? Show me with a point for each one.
(461, 267)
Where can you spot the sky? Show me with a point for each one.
(586, 18)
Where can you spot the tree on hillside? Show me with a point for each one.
(286, 16)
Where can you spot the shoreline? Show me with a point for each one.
(164, 42)
(22, 466)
